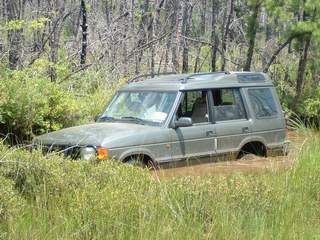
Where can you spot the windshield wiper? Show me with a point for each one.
(106, 118)
(135, 119)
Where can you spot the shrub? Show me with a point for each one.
(30, 104)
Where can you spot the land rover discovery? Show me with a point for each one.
(171, 118)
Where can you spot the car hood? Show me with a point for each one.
(91, 134)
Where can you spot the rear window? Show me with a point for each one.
(262, 102)
(228, 104)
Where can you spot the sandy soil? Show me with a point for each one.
(257, 164)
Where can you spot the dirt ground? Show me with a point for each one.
(254, 165)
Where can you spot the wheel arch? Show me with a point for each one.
(255, 145)
(137, 152)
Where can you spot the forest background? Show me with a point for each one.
(61, 61)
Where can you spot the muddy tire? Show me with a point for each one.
(135, 162)
(139, 161)
(248, 157)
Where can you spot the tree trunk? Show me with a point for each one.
(142, 32)
(107, 12)
(124, 44)
(252, 31)
(178, 34)
(37, 43)
(187, 15)
(134, 40)
(158, 6)
(84, 28)
(214, 36)
(170, 15)
(152, 47)
(226, 34)
(302, 67)
(13, 9)
(202, 33)
(54, 38)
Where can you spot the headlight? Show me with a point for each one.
(87, 153)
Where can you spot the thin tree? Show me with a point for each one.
(226, 33)
(252, 31)
(14, 13)
(202, 31)
(176, 43)
(187, 15)
(214, 36)
(84, 28)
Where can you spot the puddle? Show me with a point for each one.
(257, 164)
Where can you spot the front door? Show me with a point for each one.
(197, 140)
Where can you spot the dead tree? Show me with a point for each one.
(14, 10)
(142, 33)
(276, 53)
(202, 31)
(170, 14)
(226, 33)
(176, 43)
(84, 28)
(57, 9)
(186, 28)
(214, 36)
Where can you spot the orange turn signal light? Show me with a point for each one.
(102, 153)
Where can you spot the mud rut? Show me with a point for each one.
(256, 165)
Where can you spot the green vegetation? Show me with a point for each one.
(30, 104)
(50, 198)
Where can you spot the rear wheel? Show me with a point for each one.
(252, 150)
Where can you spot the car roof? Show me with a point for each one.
(181, 82)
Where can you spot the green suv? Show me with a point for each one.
(181, 117)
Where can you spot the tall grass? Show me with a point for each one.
(51, 198)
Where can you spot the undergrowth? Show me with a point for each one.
(54, 198)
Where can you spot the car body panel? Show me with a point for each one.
(193, 141)
(230, 134)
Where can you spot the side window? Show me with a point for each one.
(228, 104)
(195, 106)
(262, 102)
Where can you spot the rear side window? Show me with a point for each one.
(228, 104)
(262, 102)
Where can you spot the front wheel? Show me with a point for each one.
(135, 162)
(140, 161)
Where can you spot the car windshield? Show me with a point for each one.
(141, 107)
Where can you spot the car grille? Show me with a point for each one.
(65, 150)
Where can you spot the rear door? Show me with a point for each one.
(268, 119)
(231, 122)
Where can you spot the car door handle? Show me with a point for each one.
(209, 133)
(245, 129)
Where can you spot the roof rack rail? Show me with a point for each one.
(185, 80)
(149, 75)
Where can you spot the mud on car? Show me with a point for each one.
(172, 118)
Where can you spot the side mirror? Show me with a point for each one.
(183, 122)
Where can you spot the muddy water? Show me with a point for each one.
(257, 164)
